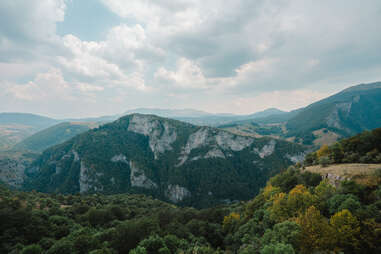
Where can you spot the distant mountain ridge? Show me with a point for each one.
(15, 127)
(54, 135)
(344, 114)
(168, 159)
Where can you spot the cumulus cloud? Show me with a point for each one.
(183, 53)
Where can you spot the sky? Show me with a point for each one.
(81, 58)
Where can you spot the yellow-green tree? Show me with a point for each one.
(347, 230)
(231, 221)
(316, 233)
(299, 199)
(279, 211)
(269, 192)
(323, 151)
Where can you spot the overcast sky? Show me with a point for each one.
(97, 57)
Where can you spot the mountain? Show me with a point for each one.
(341, 115)
(54, 135)
(266, 113)
(14, 127)
(170, 113)
(168, 159)
(346, 113)
(203, 118)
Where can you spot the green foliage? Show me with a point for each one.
(278, 248)
(294, 213)
(210, 180)
(362, 148)
(364, 114)
(32, 249)
(286, 232)
(54, 135)
(292, 177)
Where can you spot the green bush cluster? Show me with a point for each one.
(362, 148)
(295, 213)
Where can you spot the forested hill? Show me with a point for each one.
(169, 159)
(346, 113)
(295, 213)
(54, 135)
(362, 148)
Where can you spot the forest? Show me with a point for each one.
(296, 212)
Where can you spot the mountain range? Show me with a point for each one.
(16, 127)
(166, 158)
(175, 160)
(341, 115)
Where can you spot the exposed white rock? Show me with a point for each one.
(195, 140)
(296, 157)
(196, 158)
(161, 136)
(139, 179)
(84, 178)
(266, 150)
(215, 153)
(220, 140)
(236, 143)
(119, 158)
(177, 193)
(333, 179)
(76, 156)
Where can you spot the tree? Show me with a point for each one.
(279, 210)
(299, 199)
(316, 233)
(347, 229)
(278, 248)
(32, 249)
(231, 221)
(286, 232)
(323, 151)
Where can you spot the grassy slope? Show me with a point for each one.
(360, 173)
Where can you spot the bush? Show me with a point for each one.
(32, 249)
(324, 161)
(278, 248)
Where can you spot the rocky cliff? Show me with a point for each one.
(166, 158)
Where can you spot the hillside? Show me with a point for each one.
(365, 174)
(202, 118)
(169, 159)
(346, 113)
(341, 115)
(296, 212)
(15, 127)
(54, 135)
(362, 148)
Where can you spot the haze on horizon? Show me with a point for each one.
(84, 58)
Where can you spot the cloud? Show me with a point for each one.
(28, 26)
(187, 53)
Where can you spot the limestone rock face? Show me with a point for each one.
(161, 135)
(176, 193)
(218, 140)
(139, 179)
(84, 178)
(168, 159)
(266, 150)
(299, 157)
(119, 158)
